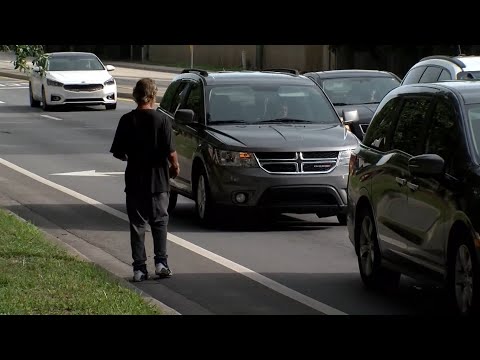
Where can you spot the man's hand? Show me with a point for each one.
(174, 171)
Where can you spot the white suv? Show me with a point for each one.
(441, 68)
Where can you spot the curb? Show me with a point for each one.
(120, 94)
(166, 310)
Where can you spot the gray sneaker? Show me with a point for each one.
(139, 275)
(162, 270)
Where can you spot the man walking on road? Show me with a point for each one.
(144, 139)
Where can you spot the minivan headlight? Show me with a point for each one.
(234, 158)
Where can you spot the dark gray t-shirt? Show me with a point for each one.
(146, 137)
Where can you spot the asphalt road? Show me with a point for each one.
(310, 258)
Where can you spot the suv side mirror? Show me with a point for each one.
(350, 117)
(184, 116)
(110, 67)
(36, 69)
(426, 165)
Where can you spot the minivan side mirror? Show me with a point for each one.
(184, 116)
(426, 165)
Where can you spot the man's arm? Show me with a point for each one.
(118, 148)
(174, 165)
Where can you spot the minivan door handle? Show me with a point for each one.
(400, 181)
(412, 187)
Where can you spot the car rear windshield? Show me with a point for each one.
(254, 103)
(358, 90)
(74, 63)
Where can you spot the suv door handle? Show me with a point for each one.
(400, 181)
(412, 187)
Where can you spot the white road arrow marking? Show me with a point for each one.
(90, 173)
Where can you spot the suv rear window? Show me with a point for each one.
(257, 103)
(414, 75)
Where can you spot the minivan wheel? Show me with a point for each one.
(464, 287)
(172, 202)
(204, 206)
(373, 275)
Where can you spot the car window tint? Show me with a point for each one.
(410, 131)
(444, 75)
(443, 136)
(167, 98)
(195, 101)
(431, 74)
(381, 125)
(414, 75)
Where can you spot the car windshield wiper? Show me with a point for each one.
(284, 120)
(226, 122)
(340, 104)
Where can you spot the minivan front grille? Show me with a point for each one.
(318, 162)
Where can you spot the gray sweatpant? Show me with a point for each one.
(151, 208)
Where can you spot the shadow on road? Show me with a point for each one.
(75, 216)
(344, 292)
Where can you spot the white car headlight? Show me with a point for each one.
(51, 82)
(110, 81)
(233, 158)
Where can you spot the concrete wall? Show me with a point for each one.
(206, 55)
(301, 57)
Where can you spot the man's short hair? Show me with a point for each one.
(144, 91)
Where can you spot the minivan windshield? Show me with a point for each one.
(268, 104)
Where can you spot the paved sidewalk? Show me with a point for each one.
(126, 74)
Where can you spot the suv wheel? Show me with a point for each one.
(373, 275)
(172, 202)
(464, 284)
(204, 206)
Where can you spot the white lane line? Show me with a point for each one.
(15, 88)
(50, 117)
(2, 102)
(267, 282)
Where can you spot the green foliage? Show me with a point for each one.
(25, 53)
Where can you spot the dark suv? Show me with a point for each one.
(263, 140)
(414, 190)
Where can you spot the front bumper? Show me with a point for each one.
(295, 193)
(56, 95)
